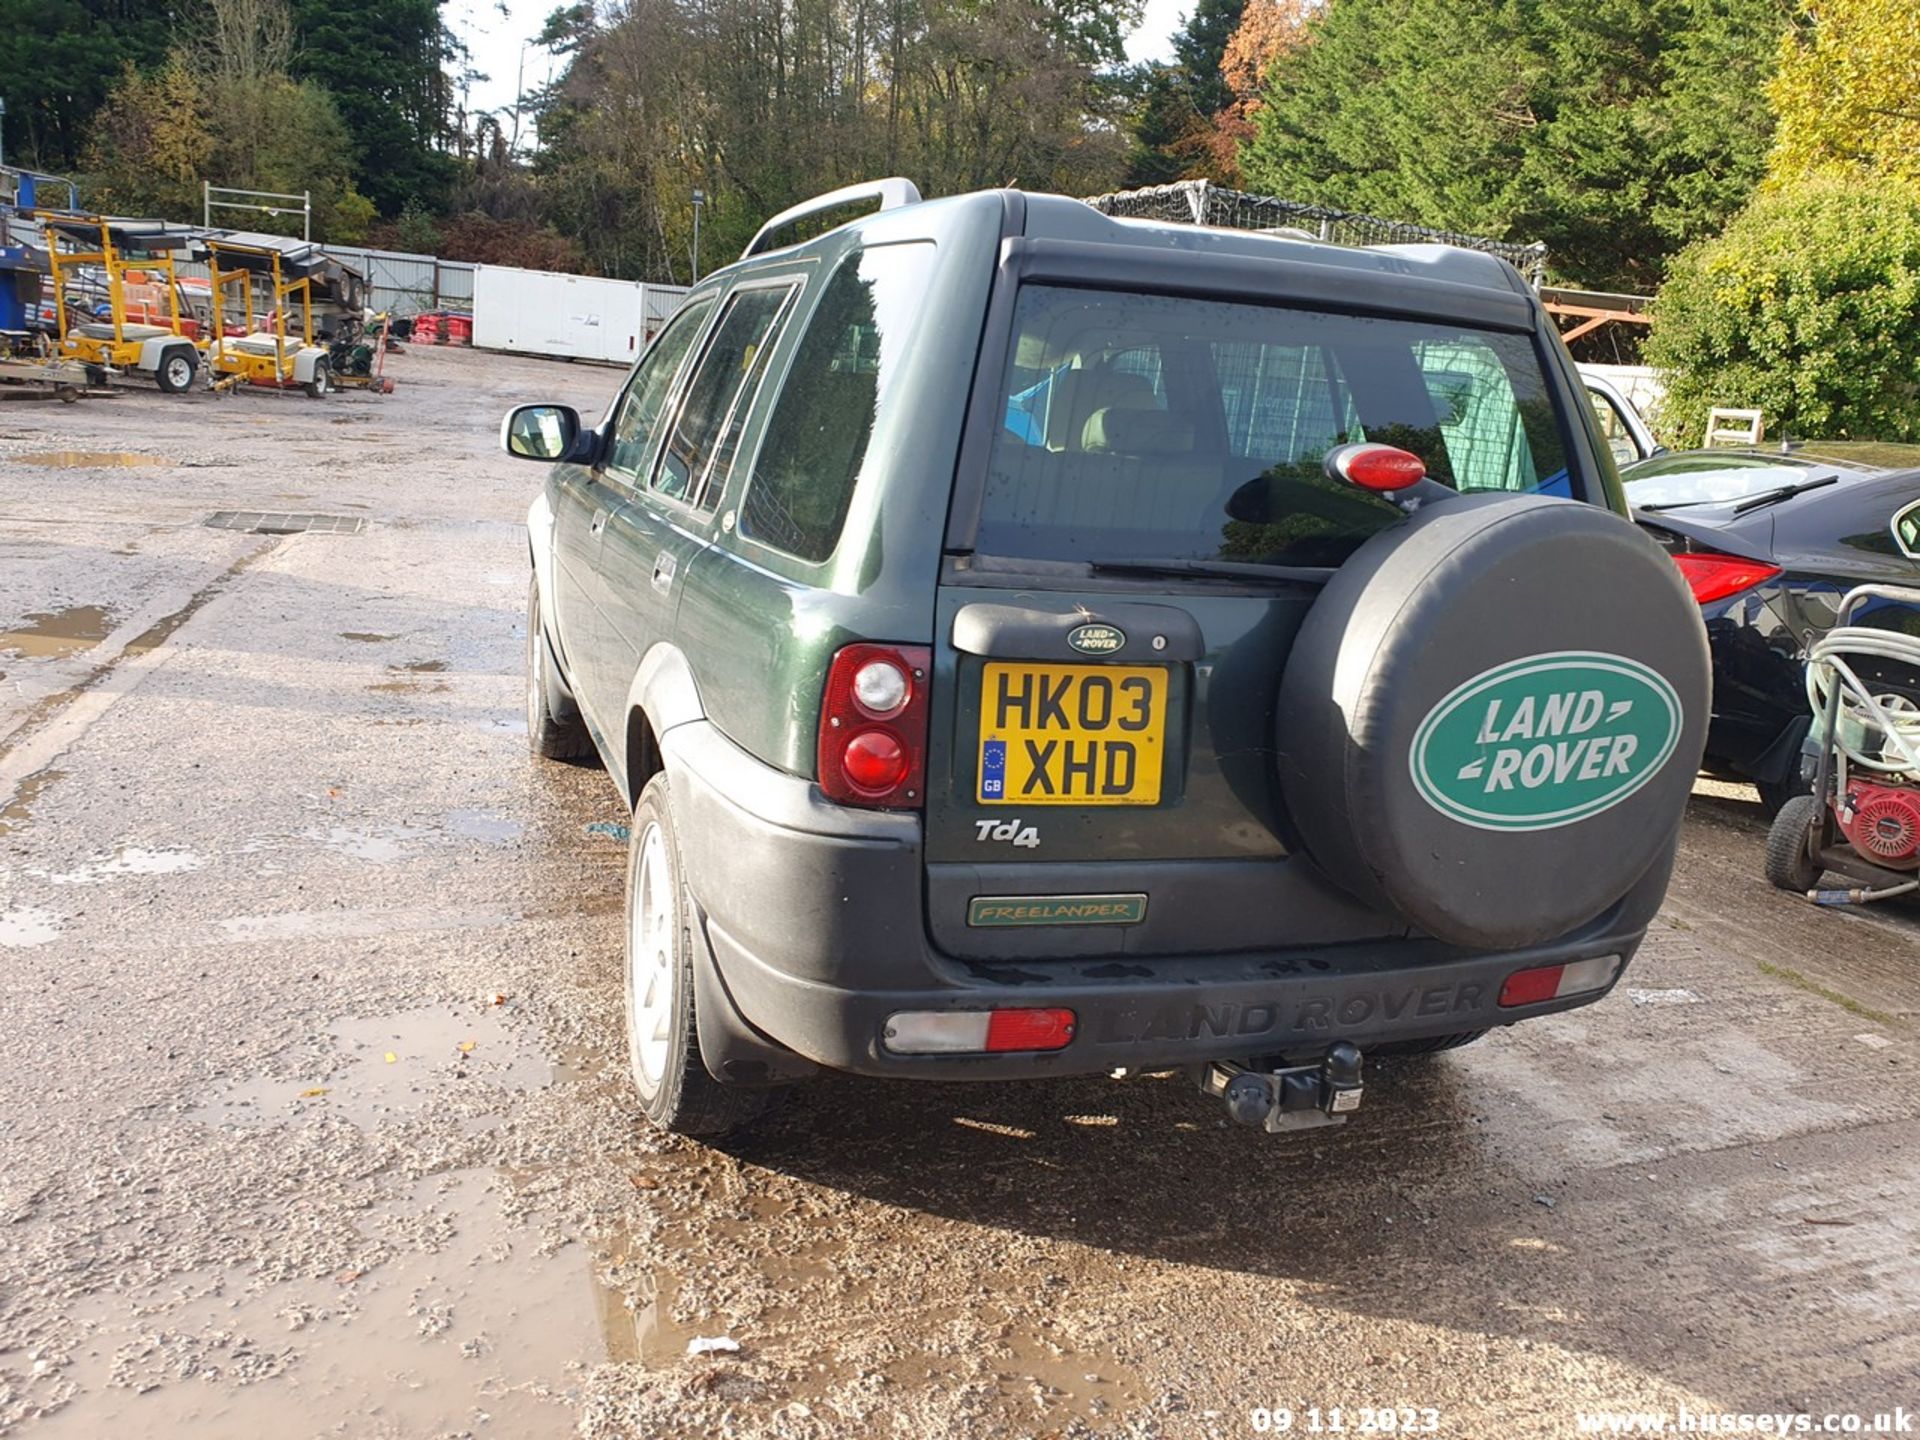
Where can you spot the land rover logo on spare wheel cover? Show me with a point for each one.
(1546, 740)
(1096, 639)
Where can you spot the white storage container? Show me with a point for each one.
(579, 317)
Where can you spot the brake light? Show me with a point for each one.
(1557, 982)
(1714, 577)
(1376, 467)
(873, 726)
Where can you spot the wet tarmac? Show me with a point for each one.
(314, 1117)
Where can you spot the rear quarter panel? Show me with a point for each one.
(760, 627)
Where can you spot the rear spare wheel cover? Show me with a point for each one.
(1492, 716)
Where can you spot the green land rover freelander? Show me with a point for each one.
(1038, 644)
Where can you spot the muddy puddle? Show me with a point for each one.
(17, 812)
(482, 825)
(457, 1322)
(376, 847)
(89, 459)
(131, 860)
(27, 925)
(53, 634)
(387, 1068)
(384, 845)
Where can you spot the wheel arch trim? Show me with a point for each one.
(662, 696)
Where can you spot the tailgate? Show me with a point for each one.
(1102, 778)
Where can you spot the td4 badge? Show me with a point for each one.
(1027, 837)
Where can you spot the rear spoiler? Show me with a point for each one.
(1697, 536)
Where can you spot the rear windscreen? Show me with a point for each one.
(1148, 426)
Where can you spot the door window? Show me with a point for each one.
(699, 454)
(636, 420)
(1613, 425)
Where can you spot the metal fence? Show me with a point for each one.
(404, 284)
(1201, 202)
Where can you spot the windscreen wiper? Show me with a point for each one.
(1214, 569)
(1784, 492)
(1752, 502)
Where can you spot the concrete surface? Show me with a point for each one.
(314, 1119)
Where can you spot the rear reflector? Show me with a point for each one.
(1714, 577)
(977, 1032)
(1557, 982)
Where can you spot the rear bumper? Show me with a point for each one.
(815, 936)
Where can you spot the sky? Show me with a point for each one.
(498, 32)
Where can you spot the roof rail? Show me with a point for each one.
(892, 193)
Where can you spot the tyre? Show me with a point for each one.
(551, 736)
(176, 372)
(322, 380)
(1789, 867)
(1491, 718)
(663, 1045)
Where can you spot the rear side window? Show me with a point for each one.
(817, 438)
(1156, 427)
(693, 468)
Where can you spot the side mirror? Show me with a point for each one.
(540, 432)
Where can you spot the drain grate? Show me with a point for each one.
(281, 522)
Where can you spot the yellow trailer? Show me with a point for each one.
(160, 347)
(283, 270)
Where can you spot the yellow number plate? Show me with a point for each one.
(1072, 734)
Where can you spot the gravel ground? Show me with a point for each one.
(314, 1118)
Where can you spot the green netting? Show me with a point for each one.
(1201, 202)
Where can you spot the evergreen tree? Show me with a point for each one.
(1616, 131)
(1199, 46)
(384, 63)
(59, 59)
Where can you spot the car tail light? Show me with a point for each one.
(873, 726)
(1713, 576)
(978, 1032)
(1557, 982)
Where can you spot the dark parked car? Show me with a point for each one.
(1038, 644)
(1770, 541)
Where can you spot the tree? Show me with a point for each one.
(152, 142)
(1807, 307)
(1200, 45)
(226, 110)
(764, 104)
(1267, 30)
(1848, 91)
(59, 59)
(1171, 120)
(1616, 131)
(384, 63)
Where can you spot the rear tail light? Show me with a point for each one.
(1713, 576)
(978, 1032)
(1557, 982)
(873, 727)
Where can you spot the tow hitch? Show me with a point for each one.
(1296, 1098)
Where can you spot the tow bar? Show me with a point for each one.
(1296, 1098)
